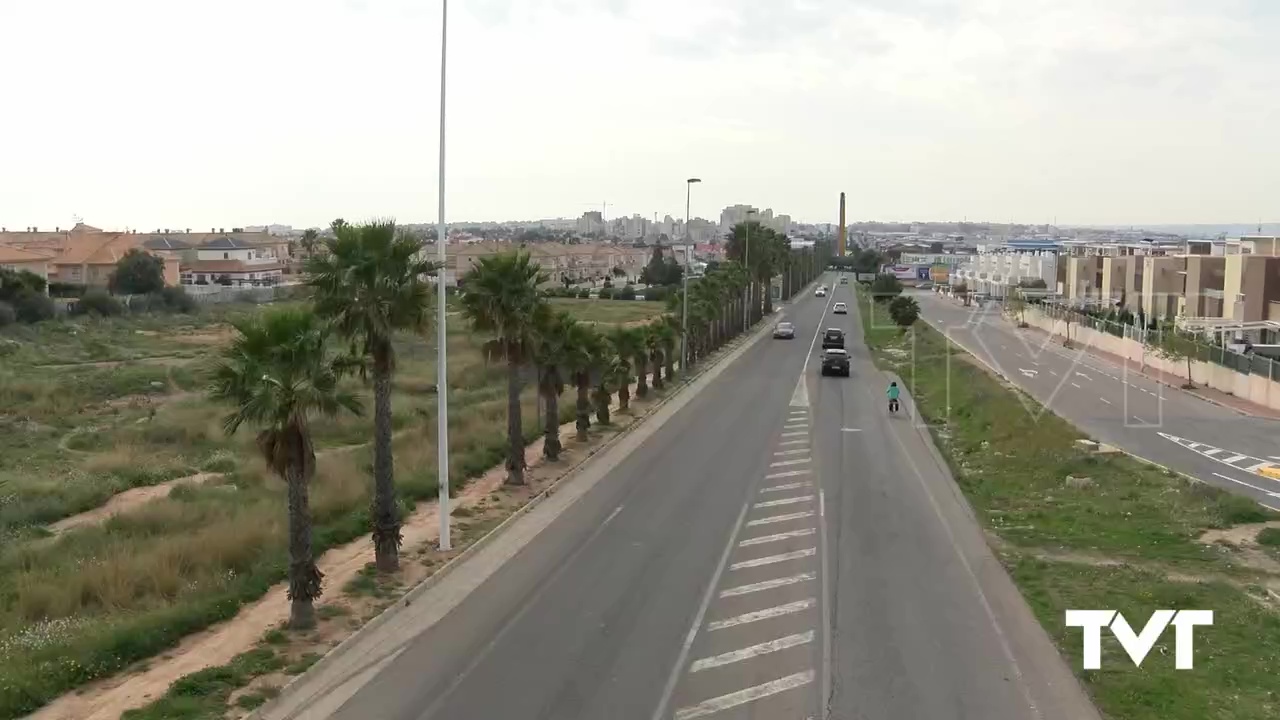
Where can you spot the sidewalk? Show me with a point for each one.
(1208, 394)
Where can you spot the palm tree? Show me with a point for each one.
(370, 282)
(605, 367)
(580, 353)
(277, 374)
(653, 345)
(502, 298)
(669, 336)
(627, 344)
(552, 360)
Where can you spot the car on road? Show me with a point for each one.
(833, 338)
(835, 361)
(840, 309)
(844, 280)
(784, 331)
(821, 291)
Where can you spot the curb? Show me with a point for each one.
(753, 335)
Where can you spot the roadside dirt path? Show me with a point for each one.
(126, 501)
(108, 699)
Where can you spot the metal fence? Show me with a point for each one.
(1245, 363)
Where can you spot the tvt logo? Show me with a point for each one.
(1137, 645)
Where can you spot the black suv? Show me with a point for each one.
(833, 338)
(835, 362)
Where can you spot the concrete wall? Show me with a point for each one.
(1254, 388)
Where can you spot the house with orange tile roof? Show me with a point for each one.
(86, 255)
(228, 261)
(17, 259)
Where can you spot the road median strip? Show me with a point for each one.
(1077, 529)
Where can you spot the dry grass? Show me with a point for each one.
(134, 585)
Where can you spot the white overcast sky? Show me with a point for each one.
(178, 113)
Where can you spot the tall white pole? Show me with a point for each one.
(746, 260)
(684, 300)
(442, 334)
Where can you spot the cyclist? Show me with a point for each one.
(892, 392)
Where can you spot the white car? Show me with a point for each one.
(820, 292)
(840, 309)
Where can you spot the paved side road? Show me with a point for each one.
(1128, 410)
(777, 549)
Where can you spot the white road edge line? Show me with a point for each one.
(822, 503)
(1249, 485)
(1105, 400)
(741, 697)
(751, 651)
(766, 614)
(768, 585)
(774, 559)
(776, 537)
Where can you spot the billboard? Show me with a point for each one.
(907, 272)
(940, 274)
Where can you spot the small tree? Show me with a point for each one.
(885, 287)
(1174, 346)
(137, 273)
(1016, 305)
(904, 311)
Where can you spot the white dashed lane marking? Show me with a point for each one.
(751, 651)
(746, 636)
(768, 584)
(766, 614)
(776, 537)
(787, 486)
(784, 501)
(774, 559)
(751, 694)
(779, 518)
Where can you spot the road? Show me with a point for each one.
(1125, 409)
(777, 549)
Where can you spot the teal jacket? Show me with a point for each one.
(892, 392)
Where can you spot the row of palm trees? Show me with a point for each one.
(371, 281)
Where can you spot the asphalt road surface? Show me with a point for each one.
(1162, 424)
(779, 549)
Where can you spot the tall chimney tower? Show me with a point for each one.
(840, 248)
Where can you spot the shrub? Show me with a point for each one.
(904, 311)
(137, 273)
(606, 292)
(1269, 536)
(97, 302)
(7, 314)
(169, 299)
(66, 290)
(626, 293)
(584, 293)
(885, 287)
(32, 307)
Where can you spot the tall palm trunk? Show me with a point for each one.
(624, 388)
(551, 418)
(583, 381)
(602, 404)
(657, 370)
(669, 354)
(515, 426)
(386, 516)
(304, 577)
(642, 368)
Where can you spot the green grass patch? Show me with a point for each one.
(1013, 459)
(1269, 537)
(204, 694)
(609, 311)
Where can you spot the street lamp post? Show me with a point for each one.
(746, 261)
(684, 298)
(442, 374)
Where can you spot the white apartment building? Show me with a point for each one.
(996, 269)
